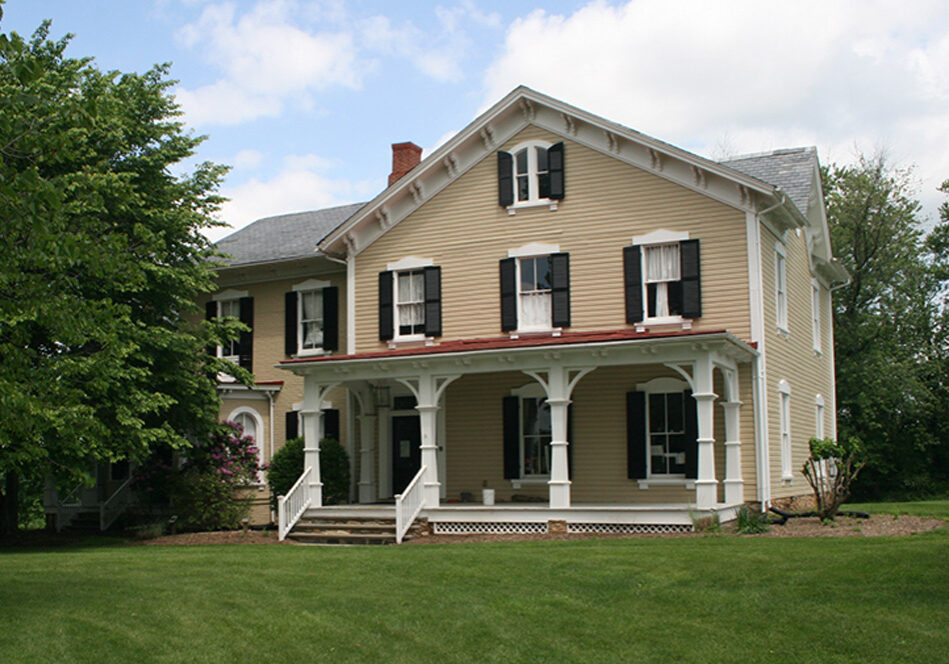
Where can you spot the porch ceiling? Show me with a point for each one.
(584, 349)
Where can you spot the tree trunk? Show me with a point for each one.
(9, 502)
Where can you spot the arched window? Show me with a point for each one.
(253, 426)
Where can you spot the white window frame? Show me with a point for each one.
(784, 416)
(403, 266)
(532, 251)
(660, 237)
(533, 186)
(664, 385)
(301, 288)
(819, 416)
(781, 287)
(536, 392)
(258, 435)
(816, 315)
(228, 297)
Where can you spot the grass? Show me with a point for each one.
(934, 508)
(643, 600)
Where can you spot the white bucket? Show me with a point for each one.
(487, 496)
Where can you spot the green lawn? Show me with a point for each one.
(713, 599)
(936, 508)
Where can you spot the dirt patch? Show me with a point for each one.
(220, 537)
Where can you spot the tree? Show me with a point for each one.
(890, 328)
(101, 356)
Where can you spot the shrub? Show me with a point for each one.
(205, 502)
(751, 523)
(830, 470)
(287, 466)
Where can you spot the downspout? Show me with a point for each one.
(760, 373)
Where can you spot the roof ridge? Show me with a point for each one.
(771, 153)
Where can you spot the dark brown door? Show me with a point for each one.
(406, 454)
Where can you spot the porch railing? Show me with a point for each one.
(408, 504)
(68, 507)
(292, 506)
(113, 508)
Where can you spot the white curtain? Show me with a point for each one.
(535, 310)
(411, 299)
(312, 302)
(662, 263)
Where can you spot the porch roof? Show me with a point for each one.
(506, 354)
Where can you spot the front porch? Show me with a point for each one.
(585, 434)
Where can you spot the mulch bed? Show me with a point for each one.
(875, 526)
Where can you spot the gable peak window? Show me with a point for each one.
(531, 174)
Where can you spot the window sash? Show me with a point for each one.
(534, 293)
(781, 289)
(532, 174)
(665, 415)
(410, 302)
(662, 276)
(229, 309)
(785, 417)
(815, 316)
(311, 319)
(536, 434)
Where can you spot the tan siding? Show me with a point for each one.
(463, 230)
(791, 357)
(474, 438)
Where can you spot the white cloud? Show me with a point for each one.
(264, 58)
(247, 159)
(763, 74)
(302, 184)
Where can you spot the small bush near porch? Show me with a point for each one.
(710, 599)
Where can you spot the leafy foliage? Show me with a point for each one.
(103, 260)
(751, 523)
(890, 328)
(287, 466)
(831, 469)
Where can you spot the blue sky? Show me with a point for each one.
(303, 98)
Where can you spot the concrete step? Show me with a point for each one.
(347, 530)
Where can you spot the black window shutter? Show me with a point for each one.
(246, 357)
(633, 283)
(508, 294)
(433, 301)
(210, 313)
(691, 435)
(292, 424)
(691, 279)
(330, 318)
(560, 290)
(569, 441)
(290, 323)
(385, 306)
(636, 435)
(331, 424)
(512, 438)
(555, 166)
(505, 179)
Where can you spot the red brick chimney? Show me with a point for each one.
(405, 157)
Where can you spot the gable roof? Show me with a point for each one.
(790, 169)
(283, 237)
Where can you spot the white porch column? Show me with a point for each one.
(428, 390)
(706, 486)
(559, 386)
(734, 485)
(367, 461)
(312, 413)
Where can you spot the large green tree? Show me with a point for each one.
(102, 355)
(890, 328)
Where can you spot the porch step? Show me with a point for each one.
(83, 523)
(347, 530)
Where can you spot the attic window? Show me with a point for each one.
(531, 174)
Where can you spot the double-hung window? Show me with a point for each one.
(661, 426)
(410, 302)
(533, 295)
(527, 435)
(666, 434)
(535, 289)
(311, 324)
(781, 286)
(815, 314)
(784, 417)
(230, 350)
(662, 279)
(532, 175)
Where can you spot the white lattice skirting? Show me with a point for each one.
(487, 528)
(531, 528)
(629, 528)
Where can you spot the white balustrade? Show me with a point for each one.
(113, 508)
(408, 504)
(292, 506)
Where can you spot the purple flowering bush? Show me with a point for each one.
(208, 491)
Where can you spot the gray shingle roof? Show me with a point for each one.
(285, 236)
(791, 169)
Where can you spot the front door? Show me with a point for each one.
(406, 452)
